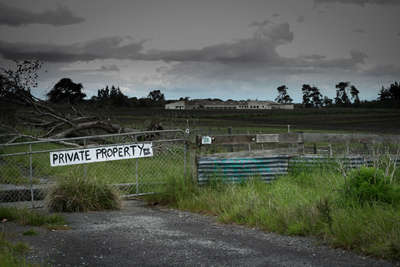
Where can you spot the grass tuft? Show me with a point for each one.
(79, 194)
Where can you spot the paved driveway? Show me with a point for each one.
(141, 236)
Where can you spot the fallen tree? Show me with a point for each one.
(32, 112)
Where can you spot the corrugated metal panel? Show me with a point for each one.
(267, 168)
(241, 168)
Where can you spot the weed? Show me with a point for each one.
(79, 194)
(28, 217)
(30, 232)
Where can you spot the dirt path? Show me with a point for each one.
(141, 236)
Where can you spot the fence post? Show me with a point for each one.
(230, 148)
(31, 176)
(137, 176)
(84, 165)
(184, 160)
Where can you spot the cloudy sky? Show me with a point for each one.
(206, 48)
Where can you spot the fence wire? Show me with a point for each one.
(26, 174)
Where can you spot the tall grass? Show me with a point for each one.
(77, 193)
(305, 202)
(12, 254)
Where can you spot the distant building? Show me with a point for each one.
(224, 105)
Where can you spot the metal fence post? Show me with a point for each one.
(31, 175)
(137, 176)
(184, 160)
(85, 165)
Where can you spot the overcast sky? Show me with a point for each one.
(206, 48)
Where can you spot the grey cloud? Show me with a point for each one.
(14, 16)
(256, 52)
(276, 15)
(103, 48)
(260, 23)
(360, 2)
(300, 19)
(359, 31)
(383, 70)
(260, 48)
(106, 68)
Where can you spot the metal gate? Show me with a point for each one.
(26, 174)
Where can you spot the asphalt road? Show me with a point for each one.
(139, 235)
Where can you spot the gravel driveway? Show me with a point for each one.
(139, 235)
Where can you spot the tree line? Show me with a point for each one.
(347, 95)
(67, 91)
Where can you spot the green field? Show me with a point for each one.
(321, 120)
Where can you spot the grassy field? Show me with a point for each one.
(321, 120)
(307, 203)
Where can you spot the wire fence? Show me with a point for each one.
(26, 173)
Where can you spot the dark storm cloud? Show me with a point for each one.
(258, 52)
(360, 2)
(260, 48)
(13, 16)
(103, 48)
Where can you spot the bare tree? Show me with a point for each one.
(15, 88)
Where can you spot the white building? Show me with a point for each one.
(175, 105)
(224, 105)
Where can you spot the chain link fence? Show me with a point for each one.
(26, 174)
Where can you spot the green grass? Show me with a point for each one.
(79, 194)
(29, 217)
(307, 203)
(11, 255)
(30, 232)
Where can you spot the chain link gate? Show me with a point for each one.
(26, 174)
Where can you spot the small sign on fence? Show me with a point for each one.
(99, 154)
(206, 140)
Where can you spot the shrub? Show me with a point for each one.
(79, 194)
(367, 185)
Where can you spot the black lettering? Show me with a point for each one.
(76, 156)
(141, 149)
(98, 151)
(69, 156)
(82, 152)
(55, 158)
(103, 153)
(109, 152)
(115, 150)
(120, 152)
(61, 158)
(146, 151)
(126, 151)
(87, 155)
(133, 149)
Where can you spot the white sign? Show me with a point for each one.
(98, 154)
(267, 138)
(206, 140)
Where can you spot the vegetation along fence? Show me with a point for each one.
(289, 151)
(136, 163)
